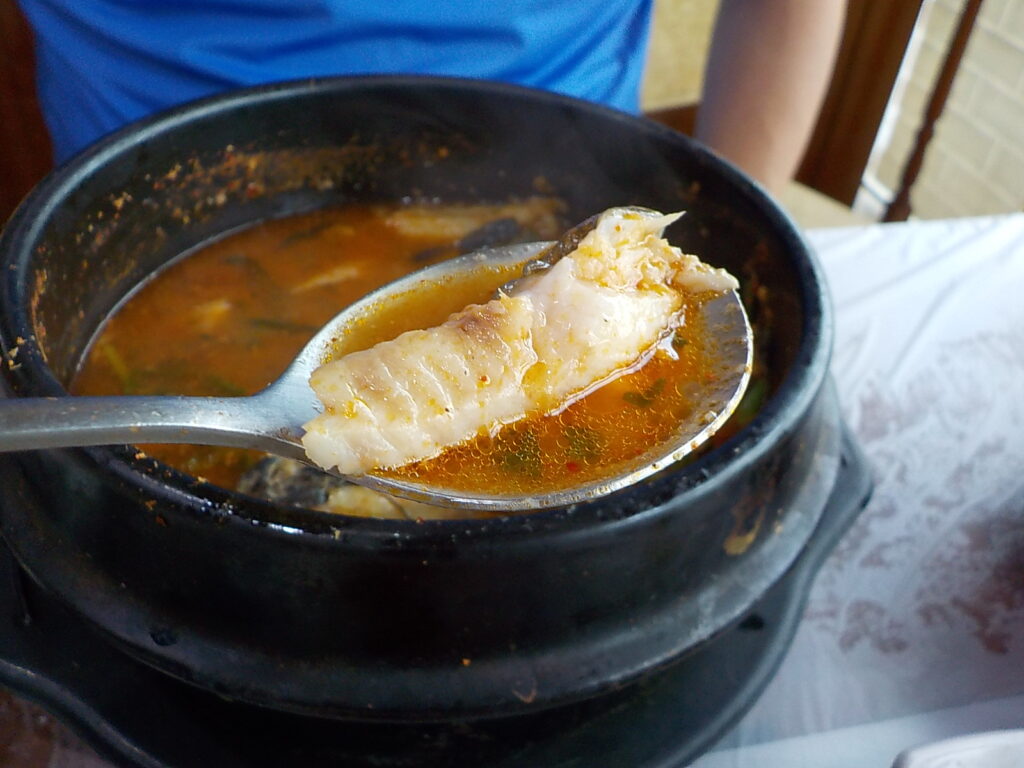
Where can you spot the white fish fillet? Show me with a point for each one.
(560, 333)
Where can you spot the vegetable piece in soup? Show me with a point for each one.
(598, 313)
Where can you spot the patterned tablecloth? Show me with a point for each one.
(915, 626)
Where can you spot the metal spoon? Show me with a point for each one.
(272, 420)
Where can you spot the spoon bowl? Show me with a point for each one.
(271, 420)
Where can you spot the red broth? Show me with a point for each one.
(227, 319)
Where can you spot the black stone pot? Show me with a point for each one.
(343, 617)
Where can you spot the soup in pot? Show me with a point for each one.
(227, 319)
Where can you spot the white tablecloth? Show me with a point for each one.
(914, 629)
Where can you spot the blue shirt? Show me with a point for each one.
(102, 63)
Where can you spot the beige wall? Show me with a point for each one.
(680, 34)
(975, 162)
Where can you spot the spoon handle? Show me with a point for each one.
(64, 422)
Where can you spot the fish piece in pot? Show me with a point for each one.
(295, 484)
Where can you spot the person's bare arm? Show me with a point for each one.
(768, 69)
